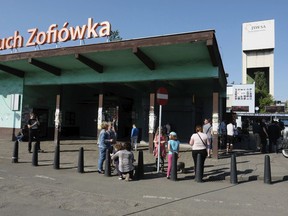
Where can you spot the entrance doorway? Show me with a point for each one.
(42, 115)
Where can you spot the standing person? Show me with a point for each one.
(114, 124)
(162, 147)
(126, 159)
(173, 146)
(282, 126)
(274, 133)
(199, 142)
(168, 129)
(207, 129)
(134, 137)
(104, 142)
(263, 136)
(256, 131)
(112, 135)
(230, 137)
(33, 126)
(223, 134)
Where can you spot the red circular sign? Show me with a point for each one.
(162, 96)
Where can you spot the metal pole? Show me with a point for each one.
(159, 138)
(81, 160)
(56, 164)
(140, 164)
(15, 152)
(199, 169)
(35, 155)
(174, 167)
(267, 170)
(107, 163)
(233, 170)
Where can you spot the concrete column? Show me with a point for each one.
(57, 121)
(215, 123)
(100, 112)
(151, 121)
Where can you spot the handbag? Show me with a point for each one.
(202, 140)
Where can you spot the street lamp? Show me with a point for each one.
(257, 109)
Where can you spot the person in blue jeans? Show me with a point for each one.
(134, 137)
(104, 142)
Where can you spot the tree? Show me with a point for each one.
(114, 36)
(262, 96)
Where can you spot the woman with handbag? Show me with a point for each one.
(199, 142)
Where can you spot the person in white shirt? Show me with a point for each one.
(199, 142)
(230, 137)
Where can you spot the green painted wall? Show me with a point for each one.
(10, 85)
(40, 97)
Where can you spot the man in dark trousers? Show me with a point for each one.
(33, 126)
(274, 132)
(134, 137)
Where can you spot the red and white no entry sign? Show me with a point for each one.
(162, 96)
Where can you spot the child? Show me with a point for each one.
(162, 148)
(173, 146)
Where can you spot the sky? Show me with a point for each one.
(138, 19)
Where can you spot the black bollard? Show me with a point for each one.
(140, 168)
(173, 174)
(233, 170)
(81, 161)
(15, 152)
(35, 155)
(199, 169)
(267, 170)
(56, 164)
(107, 164)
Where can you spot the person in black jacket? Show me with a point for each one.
(263, 136)
(274, 133)
(33, 126)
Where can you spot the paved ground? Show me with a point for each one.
(250, 165)
(42, 190)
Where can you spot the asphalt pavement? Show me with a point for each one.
(250, 165)
(43, 190)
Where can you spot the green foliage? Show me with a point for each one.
(262, 96)
(114, 36)
(265, 101)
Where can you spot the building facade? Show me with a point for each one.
(258, 43)
(85, 85)
(241, 98)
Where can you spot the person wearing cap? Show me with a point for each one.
(173, 146)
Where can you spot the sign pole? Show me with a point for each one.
(159, 138)
(162, 98)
